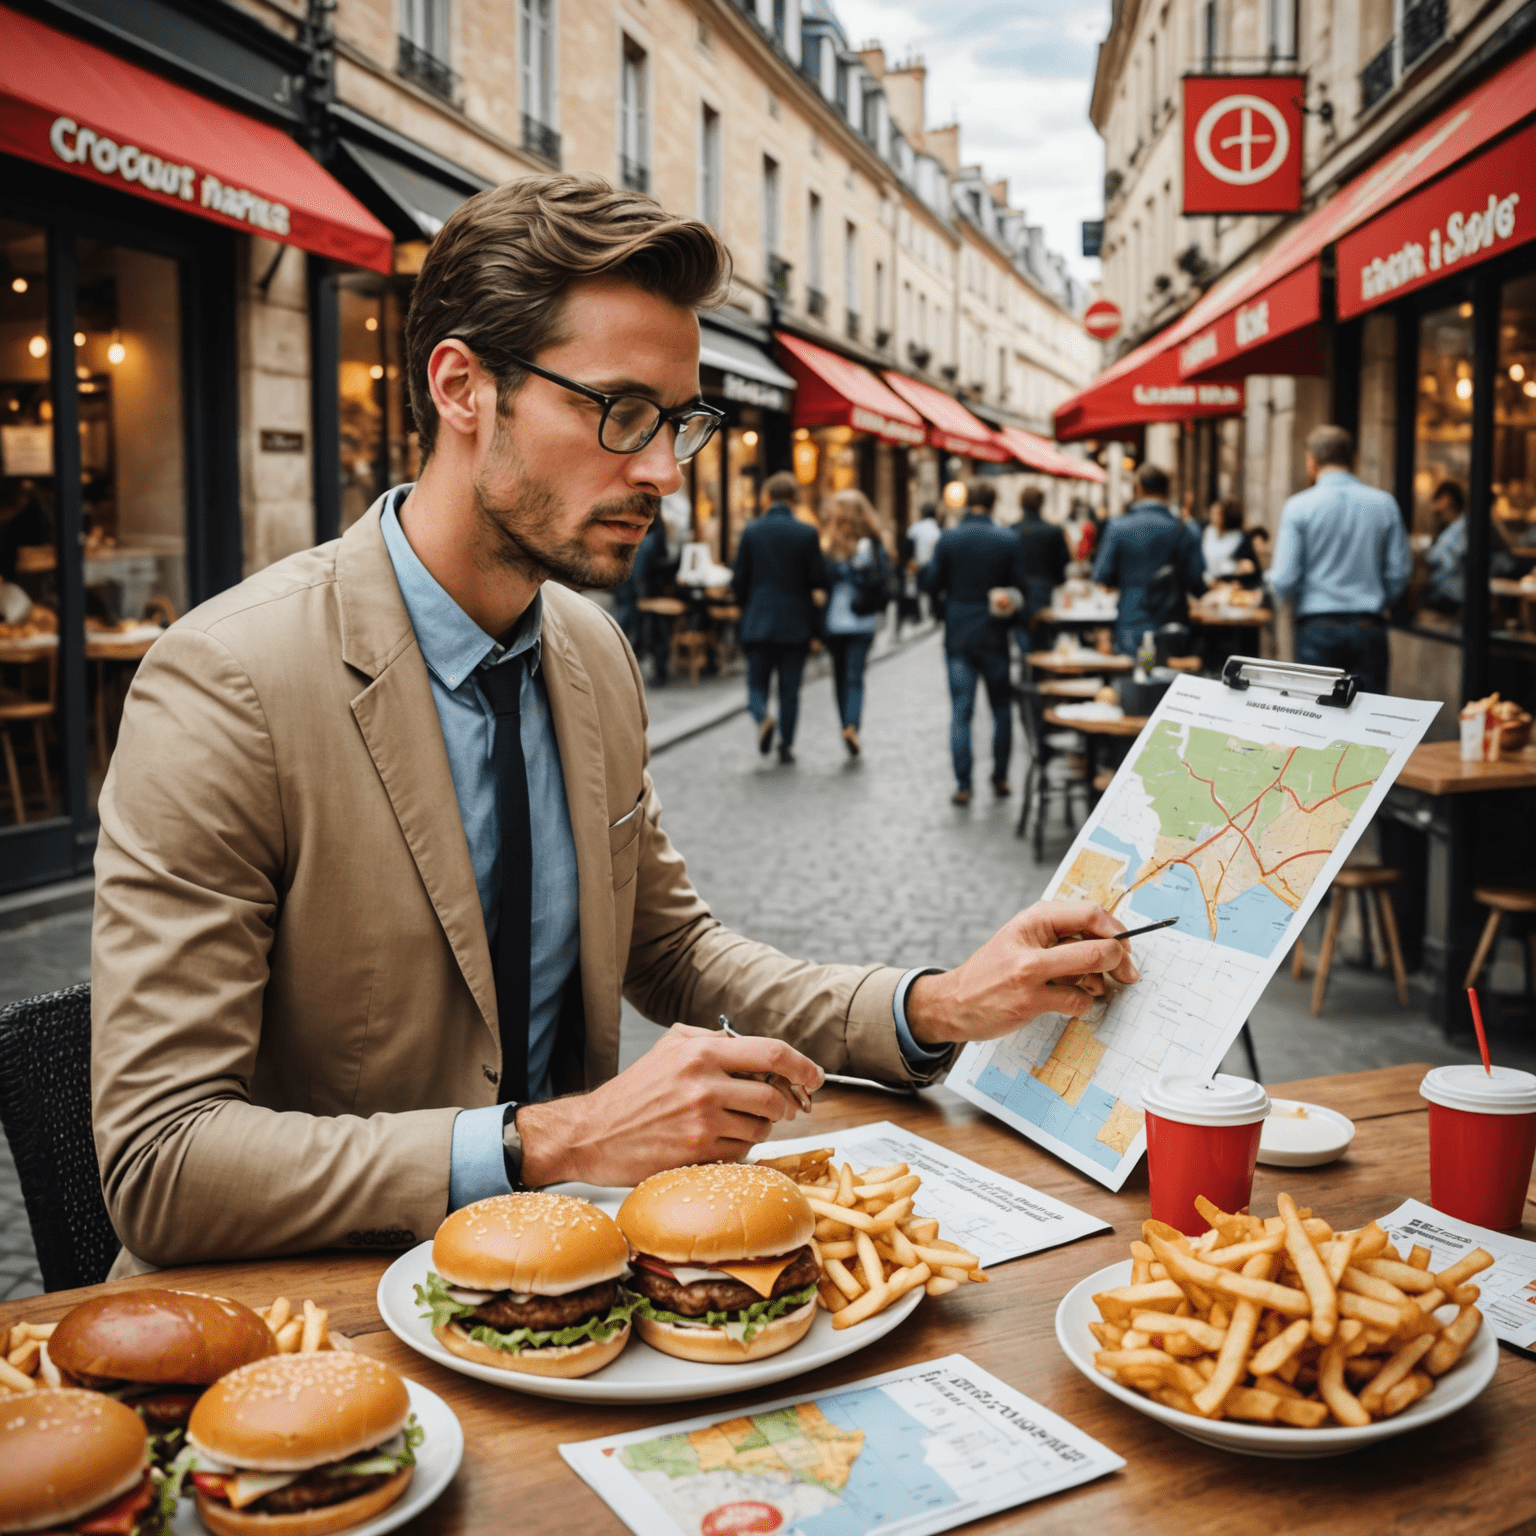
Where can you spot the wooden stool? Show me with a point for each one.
(19, 709)
(690, 652)
(1500, 900)
(667, 607)
(1361, 879)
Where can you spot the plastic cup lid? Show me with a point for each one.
(1218, 1100)
(1507, 1092)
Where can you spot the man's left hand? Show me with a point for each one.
(1029, 967)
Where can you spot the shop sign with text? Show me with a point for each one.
(1279, 310)
(1469, 215)
(1242, 143)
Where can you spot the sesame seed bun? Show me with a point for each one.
(293, 1412)
(551, 1360)
(716, 1212)
(159, 1336)
(64, 1453)
(539, 1243)
(714, 1346)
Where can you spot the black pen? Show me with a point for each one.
(1136, 933)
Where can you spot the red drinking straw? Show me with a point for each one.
(1482, 1038)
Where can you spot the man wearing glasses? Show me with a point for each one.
(380, 853)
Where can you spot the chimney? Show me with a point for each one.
(944, 145)
(872, 56)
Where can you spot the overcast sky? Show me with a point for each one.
(1017, 74)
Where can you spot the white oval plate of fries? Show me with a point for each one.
(641, 1374)
(1256, 1403)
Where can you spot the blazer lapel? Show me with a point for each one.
(579, 733)
(398, 721)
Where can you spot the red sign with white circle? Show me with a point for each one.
(1242, 143)
(1102, 319)
(746, 1517)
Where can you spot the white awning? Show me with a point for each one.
(730, 353)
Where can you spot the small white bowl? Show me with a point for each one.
(1308, 1139)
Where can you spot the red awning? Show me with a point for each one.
(951, 426)
(1041, 454)
(1276, 331)
(77, 108)
(1485, 113)
(1126, 398)
(835, 391)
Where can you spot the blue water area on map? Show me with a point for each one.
(1255, 923)
(1178, 895)
(1115, 845)
(890, 1482)
(1031, 1100)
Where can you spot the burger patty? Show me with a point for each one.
(314, 1490)
(717, 1295)
(544, 1312)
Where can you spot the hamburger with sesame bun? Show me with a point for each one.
(530, 1283)
(723, 1264)
(75, 1461)
(301, 1445)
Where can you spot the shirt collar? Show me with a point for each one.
(452, 644)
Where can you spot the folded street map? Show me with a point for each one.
(1232, 812)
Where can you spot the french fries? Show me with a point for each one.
(305, 1332)
(1283, 1320)
(872, 1247)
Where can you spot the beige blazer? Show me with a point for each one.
(291, 986)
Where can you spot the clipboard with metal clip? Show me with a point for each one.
(1294, 679)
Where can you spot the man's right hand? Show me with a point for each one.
(678, 1104)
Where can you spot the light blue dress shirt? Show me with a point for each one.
(453, 647)
(1341, 548)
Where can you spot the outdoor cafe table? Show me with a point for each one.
(1078, 663)
(1469, 1474)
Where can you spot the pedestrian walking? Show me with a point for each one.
(1152, 558)
(1342, 558)
(655, 575)
(778, 566)
(924, 535)
(1227, 548)
(1043, 561)
(860, 572)
(969, 561)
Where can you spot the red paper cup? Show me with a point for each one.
(1202, 1139)
(1482, 1137)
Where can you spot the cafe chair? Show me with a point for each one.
(45, 1110)
(1364, 880)
(1045, 747)
(1502, 901)
(18, 708)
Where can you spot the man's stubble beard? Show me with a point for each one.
(524, 531)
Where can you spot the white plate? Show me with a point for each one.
(437, 1459)
(1333, 1133)
(1454, 1390)
(641, 1374)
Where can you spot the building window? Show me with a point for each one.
(634, 159)
(1282, 29)
(709, 167)
(536, 41)
(882, 333)
(423, 47)
(851, 279)
(842, 88)
(815, 296)
(869, 116)
(781, 23)
(777, 269)
(1210, 26)
(810, 54)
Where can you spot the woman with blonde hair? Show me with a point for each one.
(860, 569)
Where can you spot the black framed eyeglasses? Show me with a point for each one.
(629, 422)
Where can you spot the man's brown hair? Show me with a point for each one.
(1331, 447)
(781, 486)
(980, 495)
(498, 271)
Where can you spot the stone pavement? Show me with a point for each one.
(859, 861)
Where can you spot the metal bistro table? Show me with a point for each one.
(1469, 1475)
(1125, 728)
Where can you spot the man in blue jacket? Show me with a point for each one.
(968, 562)
(1152, 560)
(1343, 559)
(778, 567)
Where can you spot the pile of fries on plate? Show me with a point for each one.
(869, 1244)
(1282, 1320)
(26, 1365)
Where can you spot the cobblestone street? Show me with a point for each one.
(847, 860)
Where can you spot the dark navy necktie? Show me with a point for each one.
(512, 945)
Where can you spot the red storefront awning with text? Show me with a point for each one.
(1041, 454)
(951, 427)
(1276, 331)
(76, 108)
(835, 391)
(1126, 398)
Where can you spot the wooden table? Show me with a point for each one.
(1125, 725)
(1075, 664)
(1230, 618)
(1470, 1474)
(1436, 768)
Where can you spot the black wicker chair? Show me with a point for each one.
(45, 1109)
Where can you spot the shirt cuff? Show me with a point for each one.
(477, 1170)
(918, 1057)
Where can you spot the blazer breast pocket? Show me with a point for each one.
(624, 845)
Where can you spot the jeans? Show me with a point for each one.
(1357, 645)
(849, 653)
(965, 669)
(763, 659)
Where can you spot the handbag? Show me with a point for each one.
(871, 585)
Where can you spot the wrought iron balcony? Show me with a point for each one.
(634, 174)
(918, 356)
(853, 324)
(541, 140)
(815, 303)
(882, 340)
(778, 277)
(1423, 27)
(1376, 77)
(427, 70)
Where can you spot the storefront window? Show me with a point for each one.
(31, 784)
(744, 450)
(705, 470)
(1513, 489)
(378, 447)
(1442, 466)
